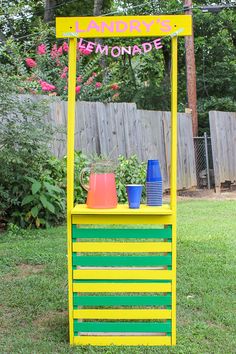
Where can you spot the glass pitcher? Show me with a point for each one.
(102, 186)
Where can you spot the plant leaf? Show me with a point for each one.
(36, 187)
(47, 204)
(27, 199)
(34, 211)
(51, 187)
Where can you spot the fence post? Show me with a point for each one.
(207, 161)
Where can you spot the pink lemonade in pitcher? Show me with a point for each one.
(102, 186)
(102, 191)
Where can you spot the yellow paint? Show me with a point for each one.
(122, 340)
(129, 26)
(133, 247)
(122, 314)
(121, 219)
(121, 287)
(123, 209)
(123, 274)
(70, 173)
(173, 181)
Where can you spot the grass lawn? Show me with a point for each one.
(33, 287)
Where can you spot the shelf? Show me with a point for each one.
(123, 209)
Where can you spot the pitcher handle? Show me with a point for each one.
(84, 170)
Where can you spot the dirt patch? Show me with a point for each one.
(206, 194)
(25, 270)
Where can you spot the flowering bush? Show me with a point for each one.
(47, 73)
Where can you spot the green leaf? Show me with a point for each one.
(34, 211)
(36, 187)
(27, 199)
(51, 187)
(47, 205)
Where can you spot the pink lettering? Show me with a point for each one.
(136, 49)
(93, 25)
(148, 25)
(157, 43)
(105, 26)
(77, 27)
(121, 26)
(90, 46)
(102, 49)
(165, 26)
(135, 25)
(146, 47)
(126, 50)
(80, 44)
(113, 54)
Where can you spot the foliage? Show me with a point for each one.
(24, 158)
(129, 171)
(44, 71)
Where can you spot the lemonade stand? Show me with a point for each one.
(121, 261)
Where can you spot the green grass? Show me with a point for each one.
(33, 287)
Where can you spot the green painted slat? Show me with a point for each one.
(122, 326)
(120, 233)
(97, 301)
(120, 261)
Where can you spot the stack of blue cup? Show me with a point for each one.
(154, 183)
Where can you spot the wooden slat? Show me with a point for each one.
(115, 314)
(81, 233)
(119, 261)
(132, 247)
(122, 340)
(123, 274)
(118, 300)
(121, 288)
(122, 326)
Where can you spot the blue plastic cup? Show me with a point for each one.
(134, 192)
(153, 171)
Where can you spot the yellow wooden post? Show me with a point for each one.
(70, 172)
(173, 175)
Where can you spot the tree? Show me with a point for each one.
(49, 10)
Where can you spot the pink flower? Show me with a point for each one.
(63, 75)
(94, 74)
(79, 78)
(65, 88)
(41, 49)
(46, 86)
(65, 47)
(115, 87)
(65, 69)
(60, 51)
(85, 51)
(98, 84)
(53, 53)
(77, 89)
(31, 63)
(115, 96)
(89, 81)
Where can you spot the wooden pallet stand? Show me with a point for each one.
(121, 262)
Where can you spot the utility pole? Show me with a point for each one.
(191, 71)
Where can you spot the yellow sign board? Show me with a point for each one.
(123, 26)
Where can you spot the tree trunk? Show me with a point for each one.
(97, 9)
(49, 10)
(191, 73)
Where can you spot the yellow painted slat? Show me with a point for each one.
(123, 209)
(104, 219)
(122, 340)
(122, 314)
(131, 247)
(123, 274)
(121, 287)
(123, 26)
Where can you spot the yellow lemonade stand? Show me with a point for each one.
(122, 279)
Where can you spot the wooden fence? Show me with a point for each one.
(120, 129)
(223, 140)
